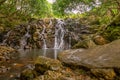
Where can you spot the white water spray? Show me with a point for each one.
(69, 44)
(43, 37)
(23, 41)
(59, 35)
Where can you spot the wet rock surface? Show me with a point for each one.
(37, 33)
(6, 55)
(50, 69)
(102, 60)
(107, 74)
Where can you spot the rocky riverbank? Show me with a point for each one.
(98, 63)
(6, 55)
(102, 61)
(91, 63)
(50, 69)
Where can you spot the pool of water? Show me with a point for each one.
(51, 53)
(24, 59)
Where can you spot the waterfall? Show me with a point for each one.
(69, 44)
(55, 53)
(43, 36)
(6, 36)
(23, 41)
(59, 35)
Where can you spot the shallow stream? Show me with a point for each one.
(25, 60)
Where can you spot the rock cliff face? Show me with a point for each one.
(46, 33)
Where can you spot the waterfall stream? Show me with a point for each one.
(69, 44)
(59, 35)
(23, 41)
(44, 34)
(43, 37)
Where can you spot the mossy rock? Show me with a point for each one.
(43, 64)
(84, 44)
(1, 29)
(28, 74)
(100, 40)
(107, 74)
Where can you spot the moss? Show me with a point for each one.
(84, 44)
(112, 33)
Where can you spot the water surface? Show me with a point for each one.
(24, 60)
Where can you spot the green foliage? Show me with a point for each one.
(13, 12)
(107, 11)
(112, 33)
(60, 6)
(40, 8)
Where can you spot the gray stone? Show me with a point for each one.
(105, 56)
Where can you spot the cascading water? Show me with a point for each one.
(69, 44)
(23, 41)
(44, 33)
(59, 35)
(7, 35)
(43, 37)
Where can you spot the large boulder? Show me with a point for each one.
(105, 56)
(103, 61)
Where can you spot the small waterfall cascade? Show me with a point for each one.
(46, 34)
(42, 34)
(59, 35)
(43, 37)
(7, 35)
(55, 53)
(69, 44)
(23, 41)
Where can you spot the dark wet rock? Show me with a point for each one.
(6, 53)
(31, 35)
(2, 30)
(4, 69)
(100, 40)
(107, 74)
(43, 64)
(49, 75)
(27, 74)
(50, 69)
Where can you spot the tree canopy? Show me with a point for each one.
(96, 11)
(13, 12)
